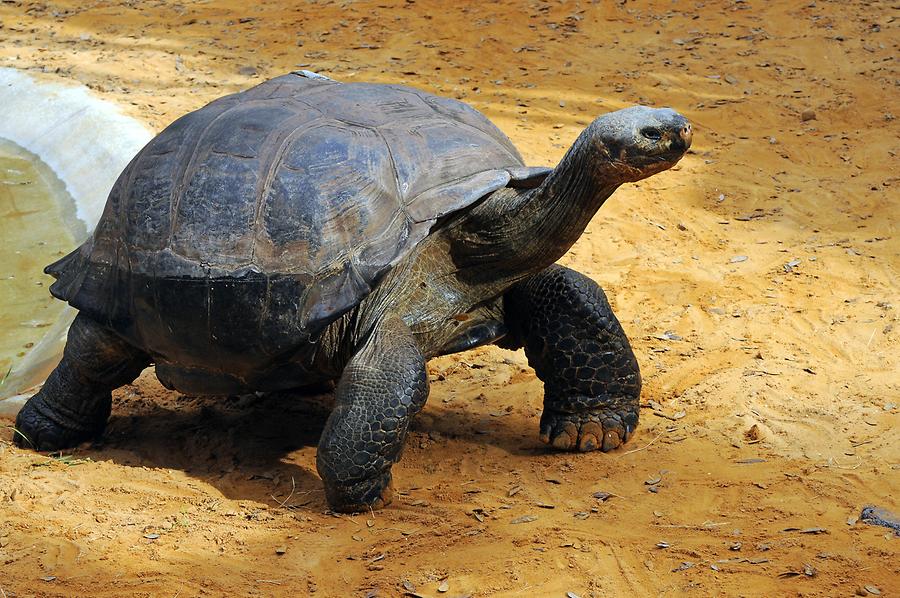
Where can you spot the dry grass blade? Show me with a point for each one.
(642, 447)
(16, 431)
(6, 376)
(284, 503)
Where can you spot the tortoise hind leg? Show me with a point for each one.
(383, 386)
(592, 383)
(75, 401)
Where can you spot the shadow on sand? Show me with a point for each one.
(262, 447)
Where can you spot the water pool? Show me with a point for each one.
(37, 226)
(61, 150)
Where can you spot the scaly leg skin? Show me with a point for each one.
(592, 383)
(383, 386)
(75, 401)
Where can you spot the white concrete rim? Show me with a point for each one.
(87, 142)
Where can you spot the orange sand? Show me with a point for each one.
(775, 412)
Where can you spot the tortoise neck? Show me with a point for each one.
(520, 232)
(557, 213)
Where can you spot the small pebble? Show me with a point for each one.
(807, 115)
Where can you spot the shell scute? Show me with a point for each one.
(281, 206)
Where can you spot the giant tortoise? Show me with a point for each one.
(308, 230)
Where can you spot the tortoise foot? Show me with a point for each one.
(596, 429)
(360, 497)
(39, 428)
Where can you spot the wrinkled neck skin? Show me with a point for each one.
(515, 233)
(449, 290)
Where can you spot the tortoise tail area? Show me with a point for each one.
(89, 284)
(68, 273)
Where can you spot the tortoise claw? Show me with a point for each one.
(374, 493)
(592, 430)
(36, 429)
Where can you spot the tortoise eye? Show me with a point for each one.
(651, 133)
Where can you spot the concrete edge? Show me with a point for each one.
(87, 142)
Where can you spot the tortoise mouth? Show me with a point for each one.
(680, 141)
(636, 168)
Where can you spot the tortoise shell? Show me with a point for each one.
(279, 208)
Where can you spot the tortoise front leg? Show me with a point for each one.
(383, 386)
(75, 401)
(574, 342)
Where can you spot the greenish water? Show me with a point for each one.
(37, 226)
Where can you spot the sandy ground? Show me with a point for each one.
(758, 282)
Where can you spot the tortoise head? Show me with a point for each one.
(523, 232)
(634, 143)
